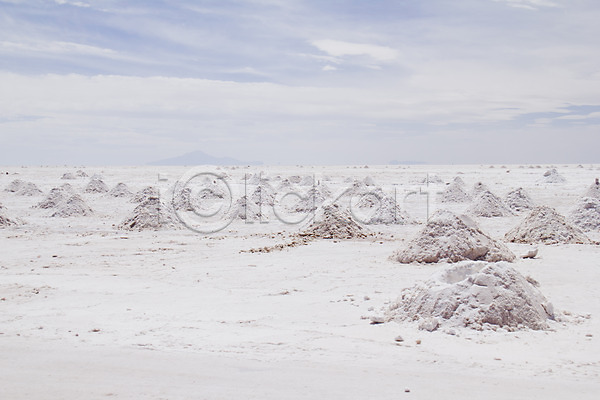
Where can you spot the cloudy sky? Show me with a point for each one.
(300, 81)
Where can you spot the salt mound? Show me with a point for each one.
(151, 214)
(552, 176)
(264, 194)
(388, 212)
(14, 186)
(368, 181)
(246, 210)
(586, 214)
(182, 200)
(75, 206)
(54, 198)
(22, 188)
(96, 185)
(545, 225)
(451, 238)
(5, 220)
(334, 223)
(488, 205)
(455, 193)
(479, 187)
(308, 180)
(432, 178)
(518, 200)
(81, 174)
(312, 200)
(458, 181)
(120, 190)
(68, 176)
(212, 190)
(146, 193)
(594, 190)
(476, 295)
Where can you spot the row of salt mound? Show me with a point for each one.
(22, 188)
(518, 200)
(333, 223)
(476, 295)
(151, 214)
(586, 214)
(545, 225)
(448, 237)
(488, 205)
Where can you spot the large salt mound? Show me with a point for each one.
(54, 198)
(545, 225)
(151, 214)
(488, 205)
(518, 200)
(476, 295)
(452, 238)
(75, 206)
(96, 185)
(552, 176)
(586, 214)
(334, 223)
(120, 190)
(455, 193)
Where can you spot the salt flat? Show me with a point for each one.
(91, 310)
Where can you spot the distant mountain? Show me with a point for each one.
(201, 158)
(396, 162)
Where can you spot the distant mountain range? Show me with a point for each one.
(201, 158)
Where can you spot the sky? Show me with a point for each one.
(107, 82)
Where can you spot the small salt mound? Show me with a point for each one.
(545, 225)
(22, 188)
(212, 190)
(479, 187)
(488, 205)
(55, 197)
(368, 181)
(120, 190)
(371, 198)
(5, 220)
(96, 185)
(593, 190)
(182, 200)
(432, 178)
(310, 201)
(81, 174)
(308, 180)
(295, 179)
(151, 214)
(334, 223)
(452, 238)
(246, 210)
(68, 176)
(586, 214)
(552, 176)
(285, 186)
(388, 212)
(455, 193)
(145, 194)
(14, 186)
(75, 206)
(459, 181)
(264, 194)
(476, 295)
(518, 200)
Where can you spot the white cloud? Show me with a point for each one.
(529, 4)
(580, 116)
(337, 48)
(329, 68)
(56, 47)
(72, 3)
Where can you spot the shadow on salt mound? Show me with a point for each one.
(488, 205)
(586, 214)
(545, 225)
(120, 190)
(476, 295)
(552, 176)
(96, 185)
(448, 237)
(518, 200)
(332, 222)
(74, 206)
(151, 214)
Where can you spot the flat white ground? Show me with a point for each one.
(90, 311)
